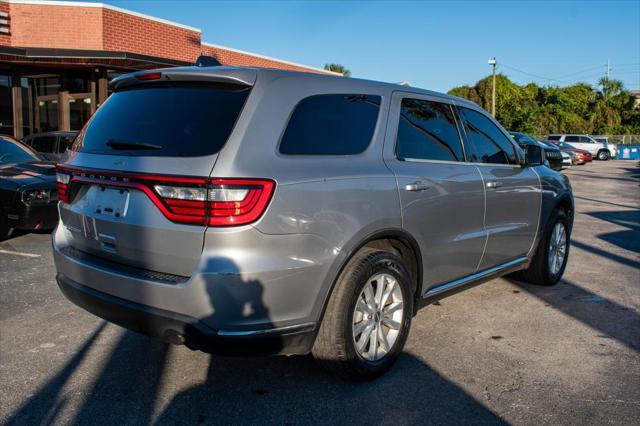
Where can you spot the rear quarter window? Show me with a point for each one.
(179, 120)
(43, 143)
(335, 124)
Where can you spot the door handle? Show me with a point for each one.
(416, 187)
(494, 184)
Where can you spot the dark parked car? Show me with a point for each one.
(28, 195)
(51, 144)
(551, 154)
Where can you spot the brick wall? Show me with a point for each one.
(103, 28)
(127, 33)
(65, 27)
(5, 39)
(233, 58)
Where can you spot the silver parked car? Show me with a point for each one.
(246, 211)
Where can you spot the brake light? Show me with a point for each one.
(62, 184)
(238, 201)
(149, 76)
(222, 202)
(198, 201)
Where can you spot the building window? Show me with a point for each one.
(6, 111)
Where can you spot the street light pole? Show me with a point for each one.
(493, 63)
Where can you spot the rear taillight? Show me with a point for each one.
(238, 201)
(213, 202)
(222, 202)
(62, 183)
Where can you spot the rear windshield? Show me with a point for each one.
(164, 121)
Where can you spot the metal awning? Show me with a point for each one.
(79, 57)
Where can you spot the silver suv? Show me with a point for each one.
(248, 211)
(602, 150)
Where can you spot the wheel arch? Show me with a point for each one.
(565, 203)
(396, 241)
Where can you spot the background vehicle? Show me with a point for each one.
(580, 156)
(567, 157)
(27, 189)
(316, 215)
(51, 145)
(601, 150)
(613, 148)
(552, 154)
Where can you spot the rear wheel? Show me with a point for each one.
(5, 230)
(368, 317)
(550, 259)
(603, 155)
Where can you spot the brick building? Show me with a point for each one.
(56, 58)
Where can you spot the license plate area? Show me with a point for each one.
(111, 202)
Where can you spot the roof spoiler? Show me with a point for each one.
(218, 74)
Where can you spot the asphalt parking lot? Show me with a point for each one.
(502, 352)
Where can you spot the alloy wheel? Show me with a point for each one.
(378, 317)
(557, 248)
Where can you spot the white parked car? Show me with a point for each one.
(566, 160)
(600, 150)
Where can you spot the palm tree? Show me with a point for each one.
(338, 68)
(609, 104)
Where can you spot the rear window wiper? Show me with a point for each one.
(122, 144)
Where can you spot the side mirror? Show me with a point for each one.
(533, 155)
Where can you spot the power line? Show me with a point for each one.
(580, 72)
(534, 75)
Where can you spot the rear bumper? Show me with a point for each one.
(180, 329)
(31, 217)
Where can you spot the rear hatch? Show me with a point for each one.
(134, 184)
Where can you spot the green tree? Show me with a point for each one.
(338, 68)
(579, 108)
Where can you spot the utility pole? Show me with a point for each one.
(608, 69)
(493, 63)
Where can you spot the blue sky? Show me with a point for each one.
(434, 45)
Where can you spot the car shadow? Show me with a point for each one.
(611, 319)
(628, 239)
(19, 233)
(133, 385)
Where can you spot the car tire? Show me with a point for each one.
(5, 230)
(339, 344)
(603, 155)
(542, 271)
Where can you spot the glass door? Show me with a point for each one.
(47, 113)
(80, 109)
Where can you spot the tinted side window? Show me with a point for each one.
(571, 139)
(43, 144)
(585, 139)
(331, 125)
(491, 145)
(427, 130)
(554, 138)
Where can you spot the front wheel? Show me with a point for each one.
(368, 317)
(550, 259)
(603, 155)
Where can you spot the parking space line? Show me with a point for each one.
(18, 253)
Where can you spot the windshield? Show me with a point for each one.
(178, 120)
(523, 138)
(12, 151)
(565, 145)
